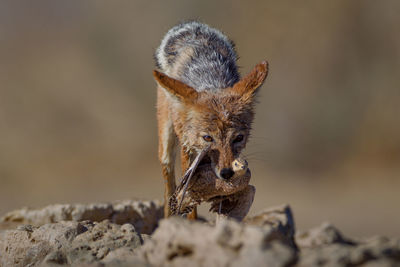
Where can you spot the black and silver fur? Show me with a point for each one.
(198, 55)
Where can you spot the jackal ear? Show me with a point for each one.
(176, 88)
(247, 86)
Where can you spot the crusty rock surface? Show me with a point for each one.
(325, 246)
(65, 242)
(179, 242)
(280, 218)
(144, 215)
(110, 238)
(324, 234)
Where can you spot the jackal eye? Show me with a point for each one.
(207, 138)
(238, 138)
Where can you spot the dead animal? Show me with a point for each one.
(231, 198)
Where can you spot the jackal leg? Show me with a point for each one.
(236, 205)
(185, 163)
(166, 153)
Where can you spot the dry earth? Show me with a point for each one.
(133, 233)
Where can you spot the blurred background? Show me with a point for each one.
(77, 104)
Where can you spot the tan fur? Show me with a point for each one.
(223, 114)
(175, 87)
(248, 85)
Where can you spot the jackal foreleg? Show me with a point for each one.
(166, 155)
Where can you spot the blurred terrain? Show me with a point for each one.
(77, 103)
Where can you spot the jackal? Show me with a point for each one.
(201, 100)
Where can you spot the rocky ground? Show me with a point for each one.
(133, 233)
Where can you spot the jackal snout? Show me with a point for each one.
(226, 173)
(238, 167)
(222, 159)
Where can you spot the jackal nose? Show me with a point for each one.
(226, 173)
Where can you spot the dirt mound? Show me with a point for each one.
(121, 234)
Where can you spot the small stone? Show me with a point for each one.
(26, 227)
(56, 257)
(127, 227)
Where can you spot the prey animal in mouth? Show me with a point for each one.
(229, 197)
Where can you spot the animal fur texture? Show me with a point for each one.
(230, 198)
(201, 101)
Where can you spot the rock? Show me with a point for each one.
(65, 242)
(265, 239)
(179, 242)
(95, 244)
(325, 246)
(367, 253)
(322, 235)
(123, 257)
(280, 218)
(30, 244)
(144, 215)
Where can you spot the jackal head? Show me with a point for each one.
(218, 118)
